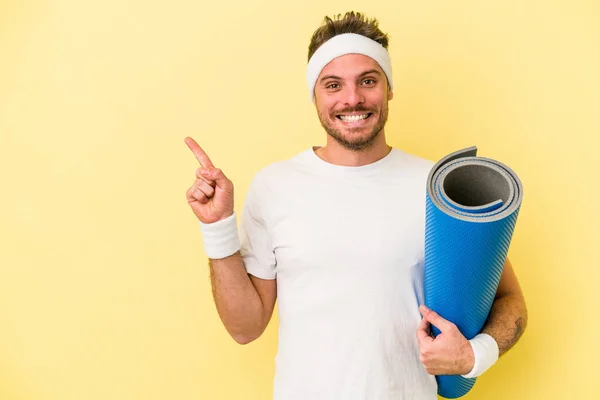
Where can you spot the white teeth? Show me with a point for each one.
(353, 118)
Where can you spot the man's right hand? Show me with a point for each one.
(211, 195)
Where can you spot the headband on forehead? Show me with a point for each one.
(347, 43)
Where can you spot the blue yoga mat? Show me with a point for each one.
(472, 206)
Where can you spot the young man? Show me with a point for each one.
(336, 235)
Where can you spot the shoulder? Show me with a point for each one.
(279, 171)
(412, 163)
(279, 174)
(412, 158)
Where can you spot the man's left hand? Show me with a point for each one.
(449, 353)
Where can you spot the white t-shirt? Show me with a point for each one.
(346, 247)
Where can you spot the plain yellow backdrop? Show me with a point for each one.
(104, 286)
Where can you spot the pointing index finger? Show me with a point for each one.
(201, 156)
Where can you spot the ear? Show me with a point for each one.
(390, 94)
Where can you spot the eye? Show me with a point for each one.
(332, 86)
(369, 82)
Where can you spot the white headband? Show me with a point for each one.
(347, 43)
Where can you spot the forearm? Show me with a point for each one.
(237, 300)
(507, 320)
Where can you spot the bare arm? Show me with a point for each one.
(450, 353)
(508, 317)
(244, 302)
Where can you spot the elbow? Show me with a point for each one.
(244, 338)
(247, 331)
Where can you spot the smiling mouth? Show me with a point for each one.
(353, 118)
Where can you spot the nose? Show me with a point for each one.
(353, 96)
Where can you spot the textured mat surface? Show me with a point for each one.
(472, 206)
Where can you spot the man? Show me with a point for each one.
(336, 235)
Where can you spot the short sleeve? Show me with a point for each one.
(256, 249)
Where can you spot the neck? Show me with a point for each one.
(335, 153)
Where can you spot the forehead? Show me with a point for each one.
(350, 65)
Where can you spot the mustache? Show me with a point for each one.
(354, 109)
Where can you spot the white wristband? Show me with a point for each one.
(486, 354)
(221, 238)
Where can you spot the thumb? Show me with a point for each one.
(216, 175)
(435, 319)
(423, 332)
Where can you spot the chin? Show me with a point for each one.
(352, 141)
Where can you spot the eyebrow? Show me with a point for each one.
(329, 77)
(371, 71)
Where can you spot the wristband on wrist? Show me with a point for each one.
(221, 238)
(486, 354)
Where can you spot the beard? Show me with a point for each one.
(349, 141)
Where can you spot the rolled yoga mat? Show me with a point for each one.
(472, 206)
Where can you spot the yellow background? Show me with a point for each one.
(104, 288)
